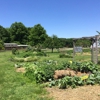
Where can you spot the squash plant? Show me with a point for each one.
(44, 71)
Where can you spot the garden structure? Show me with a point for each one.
(94, 49)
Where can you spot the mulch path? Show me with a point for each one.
(80, 93)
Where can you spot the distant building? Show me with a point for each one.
(9, 46)
(22, 46)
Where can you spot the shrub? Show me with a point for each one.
(87, 50)
(42, 73)
(15, 51)
(62, 55)
(1, 45)
(26, 54)
(41, 54)
(29, 48)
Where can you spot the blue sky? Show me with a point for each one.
(64, 18)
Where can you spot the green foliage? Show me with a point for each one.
(19, 33)
(26, 54)
(69, 51)
(94, 78)
(87, 50)
(69, 43)
(62, 42)
(67, 82)
(18, 59)
(41, 54)
(37, 35)
(4, 34)
(27, 59)
(83, 42)
(30, 71)
(1, 45)
(43, 72)
(15, 51)
(29, 49)
(52, 42)
(63, 55)
(82, 67)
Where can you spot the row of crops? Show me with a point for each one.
(43, 72)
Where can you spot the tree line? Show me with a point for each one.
(34, 36)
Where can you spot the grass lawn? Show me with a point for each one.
(14, 86)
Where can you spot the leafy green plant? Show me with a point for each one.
(82, 66)
(42, 73)
(30, 73)
(68, 81)
(45, 70)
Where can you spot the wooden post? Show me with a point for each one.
(92, 51)
(73, 49)
(95, 50)
(97, 41)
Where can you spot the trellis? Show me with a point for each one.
(94, 50)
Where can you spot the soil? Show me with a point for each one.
(80, 93)
(20, 70)
(88, 92)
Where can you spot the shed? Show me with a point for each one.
(22, 46)
(9, 46)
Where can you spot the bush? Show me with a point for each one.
(15, 51)
(42, 73)
(26, 54)
(69, 52)
(87, 50)
(29, 48)
(62, 55)
(1, 45)
(41, 54)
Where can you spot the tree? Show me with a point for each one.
(19, 33)
(52, 42)
(69, 42)
(83, 43)
(1, 45)
(37, 35)
(4, 34)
